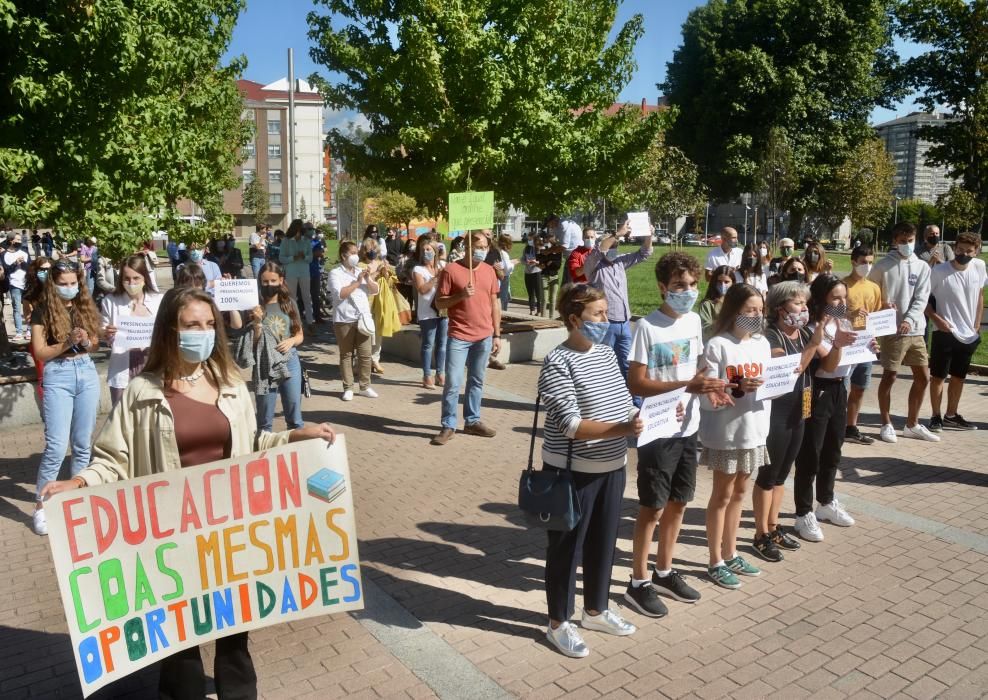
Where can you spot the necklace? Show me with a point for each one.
(195, 376)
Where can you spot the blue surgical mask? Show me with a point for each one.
(594, 331)
(67, 292)
(479, 254)
(722, 288)
(905, 249)
(196, 346)
(42, 275)
(428, 255)
(195, 256)
(611, 254)
(682, 302)
(371, 254)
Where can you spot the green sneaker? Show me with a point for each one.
(723, 577)
(739, 566)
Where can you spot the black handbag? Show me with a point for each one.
(548, 498)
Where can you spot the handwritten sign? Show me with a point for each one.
(859, 351)
(881, 323)
(659, 415)
(157, 564)
(235, 295)
(471, 210)
(134, 332)
(780, 377)
(639, 224)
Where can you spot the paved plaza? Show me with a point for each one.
(896, 606)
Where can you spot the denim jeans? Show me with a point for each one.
(504, 293)
(15, 300)
(291, 398)
(433, 332)
(619, 339)
(472, 357)
(256, 264)
(72, 390)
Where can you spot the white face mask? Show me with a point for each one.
(863, 270)
(352, 260)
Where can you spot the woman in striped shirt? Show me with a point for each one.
(588, 413)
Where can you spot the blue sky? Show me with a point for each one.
(267, 29)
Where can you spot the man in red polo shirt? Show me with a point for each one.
(574, 263)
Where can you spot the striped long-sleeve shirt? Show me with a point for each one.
(577, 386)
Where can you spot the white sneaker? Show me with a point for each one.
(807, 527)
(608, 622)
(367, 393)
(919, 432)
(888, 433)
(40, 522)
(348, 395)
(567, 639)
(834, 513)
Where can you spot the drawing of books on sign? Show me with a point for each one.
(326, 485)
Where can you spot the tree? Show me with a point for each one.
(396, 209)
(860, 188)
(960, 208)
(115, 111)
(302, 211)
(953, 74)
(776, 182)
(812, 70)
(503, 95)
(255, 200)
(666, 185)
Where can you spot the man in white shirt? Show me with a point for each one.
(570, 237)
(15, 264)
(956, 307)
(727, 253)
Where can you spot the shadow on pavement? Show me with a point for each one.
(890, 471)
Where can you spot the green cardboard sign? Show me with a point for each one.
(471, 210)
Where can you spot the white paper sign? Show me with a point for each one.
(780, 377)
(639, 224)
(236, 295)
(134, 332)
(859, 351)
(659, 415)
(881, 323)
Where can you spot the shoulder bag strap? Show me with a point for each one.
(535, 427)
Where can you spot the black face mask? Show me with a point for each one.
(812, 257)
(269, 290)
(795, 277)
(963, 259)
(933, 240)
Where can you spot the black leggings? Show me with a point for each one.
(183, 676)
(536, 295)
(823, 440)
(785, 434)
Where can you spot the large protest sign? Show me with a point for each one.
(471, 210)
(658, 413)
(134, 332)
(156, 564)
(780, 377)
(236, 294)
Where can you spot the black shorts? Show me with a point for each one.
(667, 471)
(950, 356)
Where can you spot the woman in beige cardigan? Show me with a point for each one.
(190, 407)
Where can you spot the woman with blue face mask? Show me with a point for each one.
(589, 418)
(190, 407)
(65, 327)
(721, 279)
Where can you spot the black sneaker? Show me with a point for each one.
(852, 434)
(936, 423)
(675, 586)
(783, 540)
(767, 549)
(956, 422)
(645, 599)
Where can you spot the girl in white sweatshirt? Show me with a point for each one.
(734, 429)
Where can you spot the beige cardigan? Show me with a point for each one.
(139, 437)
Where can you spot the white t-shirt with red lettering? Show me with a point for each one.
(744, 425)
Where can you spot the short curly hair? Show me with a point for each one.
(675, 263)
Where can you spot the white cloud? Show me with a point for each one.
(344, 119)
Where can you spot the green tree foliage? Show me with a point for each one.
(919, 213)
(860, 188)
(256, 201)
(303, 212)
(114, 110)
(961, 209)
(395, 208)
(953, 74)
(666, 184)
(502, 95)
(814, 70)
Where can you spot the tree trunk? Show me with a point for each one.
(796, 217)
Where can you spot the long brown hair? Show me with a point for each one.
(139, 264)
(58, 322)
(821, 260)
(284, 296)
(34, 287)
(165, 358)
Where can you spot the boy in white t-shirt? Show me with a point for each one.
(665, 351)
(956, 305)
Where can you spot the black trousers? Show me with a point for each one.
(592, 541)
(785, 435)
(536, 295)
(184, 678)
(823, 439)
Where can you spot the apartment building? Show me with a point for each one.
(914, 179)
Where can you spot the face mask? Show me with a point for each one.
(682, 302)
(134, 289)
(752, 259)
(863, 270)
(611, 254)
(371, 254)
(905, 249)
(479, 254)
(269, 290)
(411, 249)
(352, 260)
(68, 292)
(786, 252)
(797, 320)
(961, 259)
(195, 256)
(732, 244)
(795, 277)
(748, 324)
(43, 274)
(196, 346)
(812, 257)
(428, 256)
(588, 243)
(763, 252)
(594, 331)
(722, 288)
(835, 311)
(933, 240)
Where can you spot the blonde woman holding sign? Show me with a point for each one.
(190, 407)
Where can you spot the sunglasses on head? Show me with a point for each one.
(66, 266)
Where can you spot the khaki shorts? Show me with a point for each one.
(899, 350)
